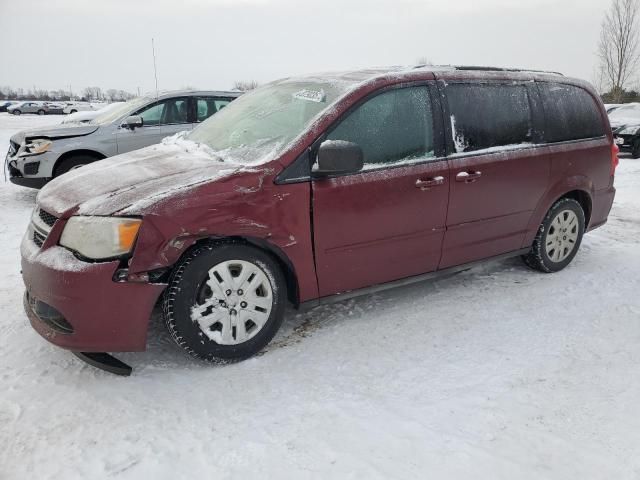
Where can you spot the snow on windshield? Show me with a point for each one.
(116, 112)
(626, 114)
(258, 126)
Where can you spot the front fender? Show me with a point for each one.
(273, 217)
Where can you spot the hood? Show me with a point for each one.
(621, 124)
(133, 182)
(57, 131)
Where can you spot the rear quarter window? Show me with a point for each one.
(571, 113)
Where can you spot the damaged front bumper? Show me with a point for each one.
(79, 306)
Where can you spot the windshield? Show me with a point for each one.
(259, 125)
(122, 109)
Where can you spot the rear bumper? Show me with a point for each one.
(100, 315)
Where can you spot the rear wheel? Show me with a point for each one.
(72, 163)
(558, 238)
(73, 111)
(17, 112)
(225, 301)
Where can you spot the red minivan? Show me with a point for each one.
(313, 189)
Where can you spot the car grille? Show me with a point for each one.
(47, 218)
(38, 239)
(41, 224)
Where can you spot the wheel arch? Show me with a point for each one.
(72, 153)
(585, 201)
(578, 188)
(275, 252)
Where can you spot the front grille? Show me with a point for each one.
(47, 218)
(38, 239)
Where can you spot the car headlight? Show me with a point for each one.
(629, 131)
(99, 238)
(36, 147)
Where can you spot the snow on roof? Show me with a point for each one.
(356, 77)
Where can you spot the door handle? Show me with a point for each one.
(468, 177)
(429, 182)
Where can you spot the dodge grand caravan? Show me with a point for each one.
(313, 189)
(37, 156)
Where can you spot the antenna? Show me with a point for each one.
(155, 70)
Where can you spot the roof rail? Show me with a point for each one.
(498, 69)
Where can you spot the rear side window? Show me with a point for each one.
(486, 116)
(571, 113)
(393, 126)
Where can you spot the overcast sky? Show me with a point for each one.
(211, 43)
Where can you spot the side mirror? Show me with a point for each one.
(134, 121)
(337, 157)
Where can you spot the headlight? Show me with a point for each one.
(99, 238)
(629, 131)
(37, 146)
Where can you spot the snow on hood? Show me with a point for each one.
(135, 180)
(57, 131)
(624, 122)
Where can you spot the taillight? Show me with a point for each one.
(614, 158)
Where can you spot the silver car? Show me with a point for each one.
(37, 156)
(27, 107)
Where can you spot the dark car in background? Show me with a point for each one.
(625, 123)
(6, 104)
(315, 189)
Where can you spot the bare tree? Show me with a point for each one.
(423, 61)
(244, 86)
(618, 47)
(112, 94)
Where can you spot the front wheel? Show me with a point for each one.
(225, 301)
(72, 163)
(17, 112)
(40, 112)
(558, 238)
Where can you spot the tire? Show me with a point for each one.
(552, 252)
(71, 163)
(17, 112)
(635, 152)
(73, 111)
(199, 305)
(40, 112)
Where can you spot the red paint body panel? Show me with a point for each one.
(377, 226)
(101, 311)
(489, 216)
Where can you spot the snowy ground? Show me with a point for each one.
(497, 373)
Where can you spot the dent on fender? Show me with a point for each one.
(252, 215)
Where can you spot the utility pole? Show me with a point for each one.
(155, 70)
